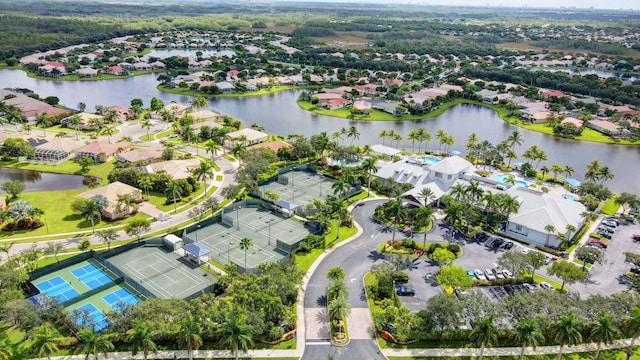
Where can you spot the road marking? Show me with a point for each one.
(318, 343)
(352, 280)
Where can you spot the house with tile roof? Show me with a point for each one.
(112, 192)
(102, 151)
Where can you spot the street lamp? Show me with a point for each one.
(228, 246)
(269, 223)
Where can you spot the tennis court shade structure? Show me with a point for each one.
(197, 251)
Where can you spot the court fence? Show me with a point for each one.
(92, 292)
(126, 278)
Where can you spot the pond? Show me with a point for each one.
(42, 181)
(280, 115)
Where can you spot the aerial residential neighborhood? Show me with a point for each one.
(319, 181)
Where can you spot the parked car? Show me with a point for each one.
(525, 250)
(459, 292)
(508, 245)
(604, 234)
(499, 274)
(610, 223)
(507, 274)
(497, 242)
(599, 243)
(636, 237)
(479, 274)
(489, 274)
(405, 291)
(472, 275)
(614, 219)
(481, 236)
(635, 270)
(604, 228)
(530, 287)
(630, 219)
(546, 286)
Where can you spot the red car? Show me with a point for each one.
(636, 236)
(599, 243)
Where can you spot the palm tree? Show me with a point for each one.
(212, 147)
(108, 236)
(109, 131)
(141, 339)
(189, 334)
(471, 142)
(593, 169)
(423, 135)
(549, 228)
(568, 170)
(396, 211)
(413, 136)
(515, 139)
(425, 216)
(570, 229)
(200, 102)
(603, 331)
(91, 211)
(336, 289)
(632, 327)
(566, 331)
(555, 169)
(484, 333)
(605, 174)
(45, 340)
(339, 309)
(369, 165)
(94, 343)
(236, 333)
(336, 273)
(453, 213)
(353, 134)
(245, 244)
(146, 184)
(174, 190)
(42, 120)
(75, 121)
(341, 186)
(427, 196)
(528, 333)
(440, 136)
(146, 124)
(202, 172)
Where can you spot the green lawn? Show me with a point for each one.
(618, 354)
(76, 77)
(610, 207)
(304, 261)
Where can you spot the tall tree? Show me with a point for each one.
(236, 333)
(189, 334)
(603, 331)
(484, 333)
(631, 326)
(174, 192)
(108, 236)
(336, 273)
(42, 120)
(425, 216)
(95, 343)
(566, 331)
(141, 337)
(204, 170)
(528, 333)
(45, 340)
(245, 244)
(91, 212)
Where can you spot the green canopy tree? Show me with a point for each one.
(45, 340)
(236, 333)
(603, 331)
(95, 343)
(528, 333)
(189, 334)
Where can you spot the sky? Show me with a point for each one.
(596, 4)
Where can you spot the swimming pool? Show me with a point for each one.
(570, 197)
(429, 160)
(503, 179)
(349, 164)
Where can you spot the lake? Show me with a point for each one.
(280, 115)
(42, 181)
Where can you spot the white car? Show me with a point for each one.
(525, 250)
(507, 274)
(479, 274)
(499, 273)
(546, 286)
(489, 274)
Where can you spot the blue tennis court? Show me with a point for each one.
(92, 276)
(122, 295)
(95, 316)
(57, 288)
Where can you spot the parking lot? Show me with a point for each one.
(610, 276)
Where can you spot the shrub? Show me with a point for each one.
(433, 247)
(401, 277)
(454, 248)
(551, 251)
(409, 243)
